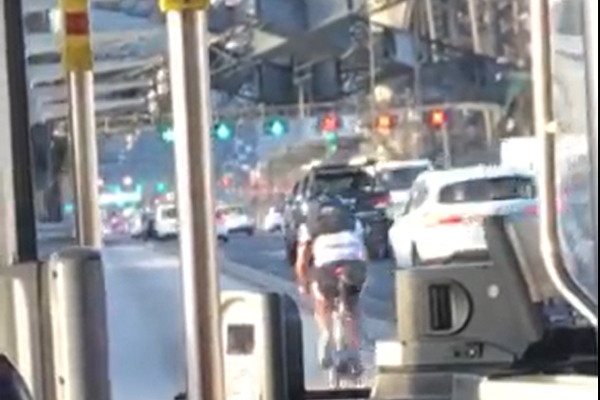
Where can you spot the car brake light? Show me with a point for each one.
(381, 201)
(436, 220)
(449, 220)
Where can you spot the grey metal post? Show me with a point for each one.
(85, 157)
(544, 119)
(591, 50)
(446, 146)
(478, 49)
(77, 303)
(190, 88)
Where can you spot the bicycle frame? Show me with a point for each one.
(341, 317)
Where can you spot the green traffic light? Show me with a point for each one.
(166, 133)
(331, 137)
(331, 142)
(161, 187)
(223, 131)
(276, 127)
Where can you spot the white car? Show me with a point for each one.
(273, 220)
(222, 232)
(166, 224)
(442, 221)
(236, 220)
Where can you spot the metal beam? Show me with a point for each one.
(59, 92)
(48, 43)
(60, 110)
(48, 73)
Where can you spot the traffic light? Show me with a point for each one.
(276, 127)
(331, 142)
(226, 181)
(385, 123)
(166, 132)
(438, 118)
(330, 122)
(161, 187)
(223, 131)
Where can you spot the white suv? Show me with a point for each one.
(442, 220)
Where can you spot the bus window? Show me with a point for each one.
(573, 163)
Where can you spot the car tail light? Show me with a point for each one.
(381, 201)
(436, 220)
(450, 220)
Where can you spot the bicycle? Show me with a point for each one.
(346, 369)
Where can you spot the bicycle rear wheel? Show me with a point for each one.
(345, 371)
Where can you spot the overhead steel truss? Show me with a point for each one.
(449, 32)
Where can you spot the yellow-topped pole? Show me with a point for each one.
(190, 94)
(77, 44)
(78, 62)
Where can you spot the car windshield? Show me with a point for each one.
(401, 178)
(343, 181)
(489, 189)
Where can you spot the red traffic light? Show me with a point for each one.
(438, 118)
(385, 123)
(329, 122)
(226, 181)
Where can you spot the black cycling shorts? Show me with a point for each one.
(328, 283)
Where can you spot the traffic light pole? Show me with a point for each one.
(190, 94)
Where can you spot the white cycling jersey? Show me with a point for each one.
(340, 246)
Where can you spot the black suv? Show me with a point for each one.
(356, 187)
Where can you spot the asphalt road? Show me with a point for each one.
(146, 334)
(265, 252)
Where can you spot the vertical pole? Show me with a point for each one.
(190, 84)
(18, 241)
(478, 49)
(447, 147)
(84, 157)
(372, 71)
(475, 32)
(26, 249)
(543, 111)
(431, 26)
(591, 50)
(78, 64)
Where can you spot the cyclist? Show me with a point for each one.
(330, 237)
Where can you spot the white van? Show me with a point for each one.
(166, 223)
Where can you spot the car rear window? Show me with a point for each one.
(340, 182)
(170, 213)
(401, 178)
(489, 189)
(230, 211)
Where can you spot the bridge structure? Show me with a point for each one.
(270, 55)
